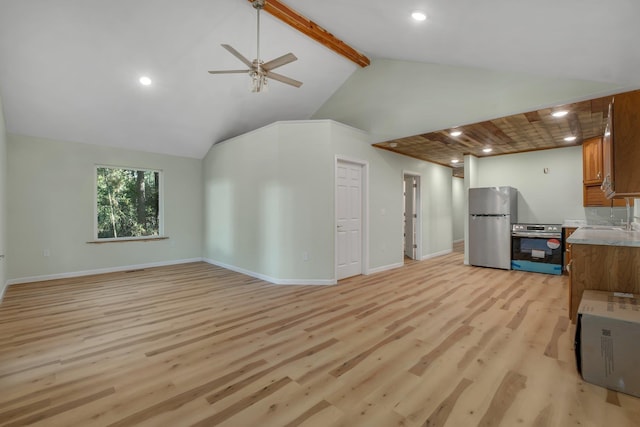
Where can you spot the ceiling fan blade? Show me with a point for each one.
(229, 71)
(238, 55)
(283, 79)
(279, 62)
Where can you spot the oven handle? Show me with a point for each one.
(539, 235)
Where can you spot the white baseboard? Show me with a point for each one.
(437, 254)
(458, 241)
(99, 271)
(4, 288)
(269, 278)
(384, 268)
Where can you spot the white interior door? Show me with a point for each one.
(348, 219)
(410, 185)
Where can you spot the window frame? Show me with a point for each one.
(161, 235)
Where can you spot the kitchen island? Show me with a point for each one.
(603, 258)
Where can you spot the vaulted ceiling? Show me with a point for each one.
(69, 69)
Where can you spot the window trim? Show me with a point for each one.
(161, 235)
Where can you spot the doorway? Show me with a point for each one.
(411, 230)
(350, 214)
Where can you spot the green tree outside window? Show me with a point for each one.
(128, 202)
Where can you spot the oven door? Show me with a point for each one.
(537, 252)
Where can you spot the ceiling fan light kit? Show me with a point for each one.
(258, 70)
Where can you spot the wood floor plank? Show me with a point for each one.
(440, 415)
(507, 392)
(435, 342)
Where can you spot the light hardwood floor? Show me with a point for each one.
(432, 343)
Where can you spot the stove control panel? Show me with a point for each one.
(540, 228)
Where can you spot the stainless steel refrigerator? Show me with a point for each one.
(492, 210)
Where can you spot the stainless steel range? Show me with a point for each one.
(537, 248)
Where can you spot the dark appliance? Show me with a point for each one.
(537, 248)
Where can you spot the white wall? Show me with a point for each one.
(51, 206)
(458, 211)
(269, 197)
(3, 204)
(267, 200)
(544, 198)
(386, 198)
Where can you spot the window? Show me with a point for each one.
(128, 203)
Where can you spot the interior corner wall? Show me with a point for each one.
(51, 206)
(269, 201)
(3, 203)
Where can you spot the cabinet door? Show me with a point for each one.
(592, 161)
(625, 136)
(593, 196)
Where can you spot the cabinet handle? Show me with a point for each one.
(569, 266)
(599, 175)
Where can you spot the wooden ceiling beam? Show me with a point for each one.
(313, 30)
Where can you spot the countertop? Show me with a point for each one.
(605, 235)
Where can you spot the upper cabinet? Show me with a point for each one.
(621, 147)
(592, 175)
(592, 161)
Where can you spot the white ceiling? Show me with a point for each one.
(69, 69)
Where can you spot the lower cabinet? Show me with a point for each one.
(602, 268)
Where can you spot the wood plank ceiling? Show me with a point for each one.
(534, 130)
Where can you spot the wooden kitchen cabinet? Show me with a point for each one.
(602, 268)
(592, 161)
(621, 147)
(592, 195)
(592, 174)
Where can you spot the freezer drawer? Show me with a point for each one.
(490, 241)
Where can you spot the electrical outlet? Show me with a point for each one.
(305, 256)
(46, 252)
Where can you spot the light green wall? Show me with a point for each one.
(458, 210)
(394, 99)
(545, 198)
(51, 206)
(269, 198)
(3, 204)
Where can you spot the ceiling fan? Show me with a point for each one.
(258, 69)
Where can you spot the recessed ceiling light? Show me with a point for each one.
(419, 16)
(455, 133)
(570, 138)
(393, 144)
(454, 161)
(560, 113)
(487, 150)
(145, 81)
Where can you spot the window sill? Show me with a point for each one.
(129, 239)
